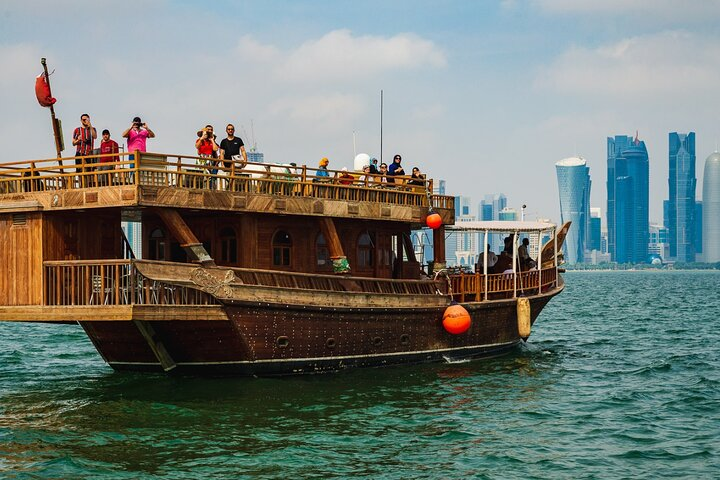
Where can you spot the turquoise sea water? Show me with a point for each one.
(620, 379)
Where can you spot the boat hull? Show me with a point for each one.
(264, 339)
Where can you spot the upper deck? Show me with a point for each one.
(165, 180)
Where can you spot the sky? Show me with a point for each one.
(486, 95)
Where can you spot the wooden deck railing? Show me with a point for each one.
(119, 282)
(154, 169)
(471, 287)
(112, 282)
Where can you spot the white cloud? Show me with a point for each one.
(338, 55)
(659, 64)
(324, 111)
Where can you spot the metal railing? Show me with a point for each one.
(179, 171)
(472, 286)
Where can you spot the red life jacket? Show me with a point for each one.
(42, 91)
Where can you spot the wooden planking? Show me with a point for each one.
(105, 313)
(21, 241)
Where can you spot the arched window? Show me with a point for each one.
(322, 253)
(281, 247)
(157, 245)
(228, 246)
(365, 251)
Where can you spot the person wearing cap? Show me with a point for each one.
(345, 178)
(137, 136)
(366, 178)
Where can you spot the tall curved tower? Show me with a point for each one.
(573, 176)
(711, 208)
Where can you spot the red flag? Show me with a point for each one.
(42, 91)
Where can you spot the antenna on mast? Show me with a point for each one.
(381, 126)
(252, 129)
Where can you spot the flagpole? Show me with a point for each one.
(56, 129)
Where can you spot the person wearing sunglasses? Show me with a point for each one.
(395, 169)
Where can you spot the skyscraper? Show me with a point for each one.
(628, 198)
(573, 177)
(681, 204)
(595, 229)
(489, 209)
(711, 209)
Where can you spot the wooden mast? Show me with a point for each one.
(55, 121)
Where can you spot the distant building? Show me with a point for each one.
(508, 214)
(489, 209)
(456, 243)
(255, 156)
(698, 230)
(573, 177)
(628, 198)
(711, 209)
(133, 233)
(658, 246)
(681, 202)
(595, 239)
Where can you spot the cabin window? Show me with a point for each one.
(366, 251)
(157, 245)
(322, 253)
(281, 247)
(228, 246)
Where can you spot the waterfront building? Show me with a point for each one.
(133, 233)
(489, 209)
(254, 156)
(698, 230)
(573, 176)
(595, 230)
(681, 202)
(508, 214)
(658, 246)
(711, 209)
(628, 198)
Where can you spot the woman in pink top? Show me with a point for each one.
(137, 136)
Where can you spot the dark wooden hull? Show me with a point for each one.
(280, 339)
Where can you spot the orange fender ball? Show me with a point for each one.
(456, 319)
(433, 221)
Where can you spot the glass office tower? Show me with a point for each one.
(681, 204)
(573, 177)
(628, 198)
(711, 209)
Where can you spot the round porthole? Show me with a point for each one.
(283, 342)
(330, 343)
(404, 339)
(377, 341)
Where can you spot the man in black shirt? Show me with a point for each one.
(231, 149)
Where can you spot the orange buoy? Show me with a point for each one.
(456, 319)
(434, 220)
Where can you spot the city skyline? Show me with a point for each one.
(487, 96)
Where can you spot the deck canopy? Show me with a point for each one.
(500, 226)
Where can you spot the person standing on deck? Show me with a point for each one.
(232, 149)
(395, 169)
(137, 136)
(322, 170)
(83, 139)
(107, 147)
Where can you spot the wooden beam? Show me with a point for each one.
(182, 233)
(337, 255)
(409, 249)
(166, 361)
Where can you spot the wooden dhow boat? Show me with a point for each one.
(253, 271)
